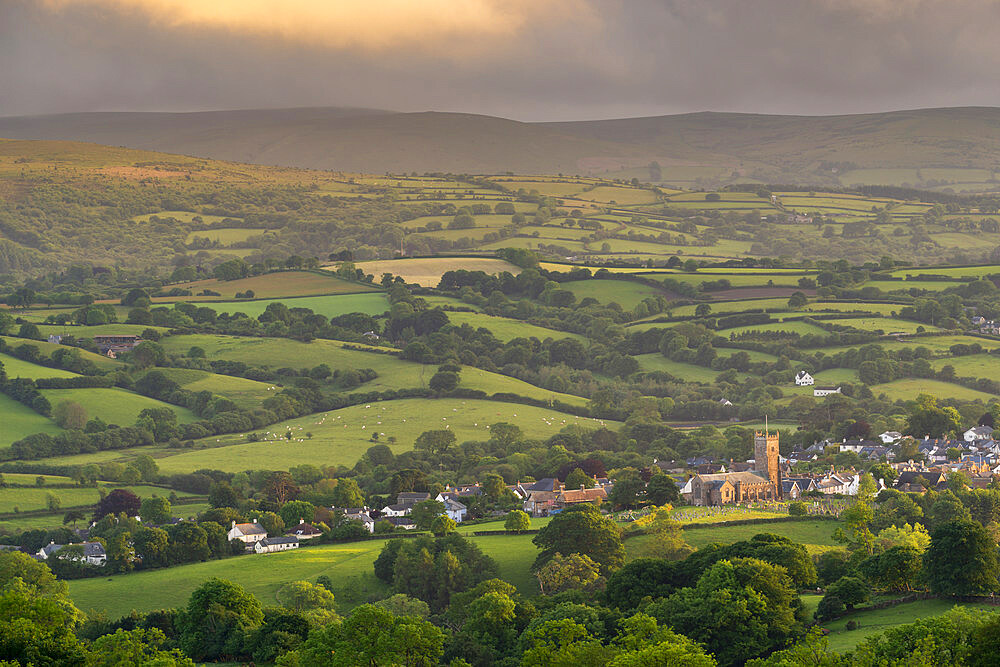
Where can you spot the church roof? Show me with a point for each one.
(748, 477)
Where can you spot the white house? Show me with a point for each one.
(803, 379)
(272, 544)
(890, 437)
(360, 514)
(248, 533)
(399, 509)
(978, 433)
(93, 552)
(819, 392)
(305, 531)
(455, 510)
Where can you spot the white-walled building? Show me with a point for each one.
(803, 379)
(272, 544)
(248, 533)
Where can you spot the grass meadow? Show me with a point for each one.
(626, 294)
(18, 368)
(20, 421)
(393, 373)
(246, 393)
(340, 437)
(272, 285)
(34, 498)
(48, 348)
(115, 406)
(507, 329)
(656, 362)
(909, 388)
(371, 303)
(350, 566)
(876, 621)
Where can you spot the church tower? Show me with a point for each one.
(765, 457)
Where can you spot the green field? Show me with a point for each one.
(45, 347)
(973, 365)
(951, 271)
(18, 368)
(794, 326)
(340, 437)
(906, 285)
(20, 421)
(263, 576)
(97, 330)
(27, 499)
(876, 621)
(506, 329)
(939, 345)
(886, 324)
(393, 373)
(114, 406)
(247, 393)
(372, 303)
(272, 285)
(816, 535)
(909, 388)
(656, 362)
(626, 294)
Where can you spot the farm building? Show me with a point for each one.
(248, 533)
(91, 552)
(273, 544)
(112, 345)
(803, 379)
(820, 392)
(304, 531)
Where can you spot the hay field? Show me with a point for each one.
(427, 271)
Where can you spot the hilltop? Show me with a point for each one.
(935, 148)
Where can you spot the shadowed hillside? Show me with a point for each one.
(957, 146)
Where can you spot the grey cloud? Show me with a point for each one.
(638, 57)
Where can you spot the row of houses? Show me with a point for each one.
(255, 537)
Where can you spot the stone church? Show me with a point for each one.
(761, 483)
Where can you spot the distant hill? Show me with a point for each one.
(960, 146)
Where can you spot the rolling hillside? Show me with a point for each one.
(956, 145)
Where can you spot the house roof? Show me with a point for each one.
(748, 477)
(398, 507)
(583, 495)
(90, 549)
(546, 484)
(251, 528)
(304, 529)
(287, 539)
(454, 505)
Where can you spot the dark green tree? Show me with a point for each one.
(581, 529)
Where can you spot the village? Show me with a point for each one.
(896, 462)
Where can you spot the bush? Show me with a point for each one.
(852, 625)
(798, 508)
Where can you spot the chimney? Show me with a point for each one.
(301, 521)
(234, 524)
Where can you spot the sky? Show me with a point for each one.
(521, 59)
